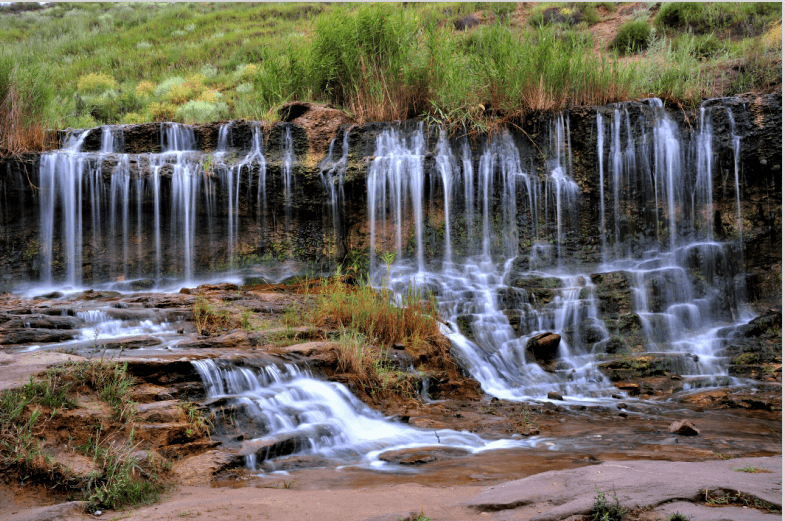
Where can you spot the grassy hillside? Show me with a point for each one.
(467, 65)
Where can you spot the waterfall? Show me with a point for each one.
(294, 413)
(521, 286)
(600, 164)
(493, 228)
(332, 173)
(395, 192)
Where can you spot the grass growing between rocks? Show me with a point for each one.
(116, 478)
(412, 322)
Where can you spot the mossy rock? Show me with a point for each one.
(641, 366)
(536, 282)
(614, 291)
(465, 326)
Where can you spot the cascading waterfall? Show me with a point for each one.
(323, 418)
(202, 204)
(492, 232)
(495, 303)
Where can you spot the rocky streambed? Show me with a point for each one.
(443, 432)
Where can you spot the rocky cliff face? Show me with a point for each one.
(122, 212)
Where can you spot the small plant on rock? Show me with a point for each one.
(605, 509)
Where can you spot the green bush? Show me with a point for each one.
(209, 71)
(678, 14)
(202, 111)
(632, 37)
(163, 88)
(607, 510)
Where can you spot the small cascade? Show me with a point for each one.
(668, 174)
(561, 186)
(224, 139)
(332, 173)
(62, 173)
(287, 178)
(736, 140)
(395, 194)
(294, 413)
(468, 194)
(703, 190)
(446, 166)
(600, 164)
(107, 140)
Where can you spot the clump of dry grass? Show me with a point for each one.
(375, 313)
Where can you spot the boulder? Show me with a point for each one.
(544, 349)
(420, 455)
(684, 428)
(553, 395)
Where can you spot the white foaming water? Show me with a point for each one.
(324, 418)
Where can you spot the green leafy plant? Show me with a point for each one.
(605, 509)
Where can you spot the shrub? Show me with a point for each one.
(678, 14)
(167, 84)
(632, 37)
(209, 96)
(161, 111)
(607, 510)
(178, 33)
(179, 94)
(247, 71)
(132, 118)
(145, 88)
(96, 82)
(209, 71)
(144, 45)
(190, 27)
(244, 88)
(201, 111)
(704, 47)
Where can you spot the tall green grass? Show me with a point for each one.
(376, 61)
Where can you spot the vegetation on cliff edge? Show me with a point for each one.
(471, 65)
